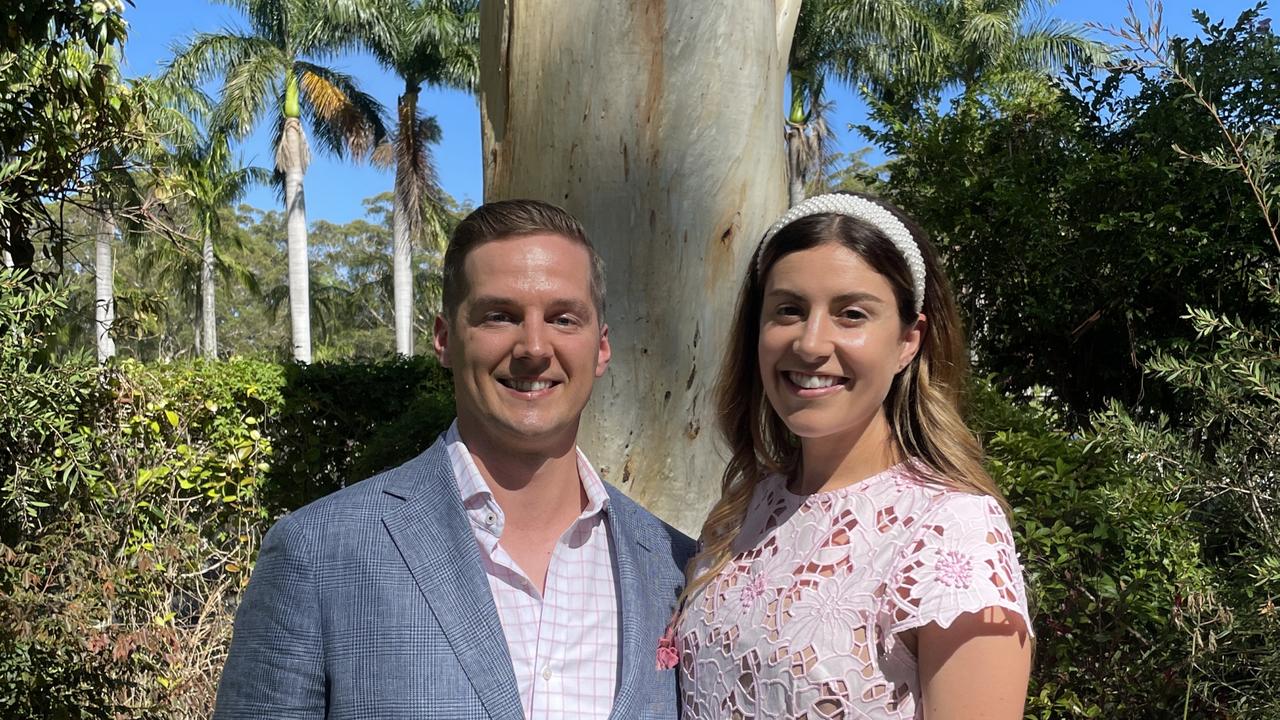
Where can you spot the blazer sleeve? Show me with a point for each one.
(275, 668)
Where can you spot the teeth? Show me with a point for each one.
(813, 382)
(529, 385)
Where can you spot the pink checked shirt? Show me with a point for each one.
(564, 642)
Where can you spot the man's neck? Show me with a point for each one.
(539, 491)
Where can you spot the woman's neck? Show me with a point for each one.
(837, 461)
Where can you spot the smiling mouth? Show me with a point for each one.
(527, 386)
(805, 381)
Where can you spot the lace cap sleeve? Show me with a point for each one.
(962, 559)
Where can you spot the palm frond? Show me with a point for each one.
(343, 117)
(245, 94)
(209, 55)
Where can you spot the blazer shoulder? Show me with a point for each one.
(681, 546)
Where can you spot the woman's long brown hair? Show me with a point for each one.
(923, 407)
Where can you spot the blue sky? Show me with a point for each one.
(335, 189)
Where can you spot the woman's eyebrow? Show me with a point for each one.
(850, 297)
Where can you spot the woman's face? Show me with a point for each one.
(831, 342)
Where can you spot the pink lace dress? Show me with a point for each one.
(804, 620)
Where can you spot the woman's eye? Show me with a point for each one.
(853, 314)
(788, 311)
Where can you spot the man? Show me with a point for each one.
(495, 575)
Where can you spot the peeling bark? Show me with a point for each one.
(655, 122)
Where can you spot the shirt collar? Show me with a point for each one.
(478, 500)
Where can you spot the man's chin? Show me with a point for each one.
(535, 432)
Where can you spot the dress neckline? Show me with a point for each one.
(894, 470)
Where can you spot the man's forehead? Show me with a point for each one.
(545, 254)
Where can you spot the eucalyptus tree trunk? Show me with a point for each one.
(656, 123)
(402, 229)
(292, 157)
(208, 305)
(104, 305)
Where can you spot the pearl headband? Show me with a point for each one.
(867, 211)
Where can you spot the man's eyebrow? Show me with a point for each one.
(573, 305)
(492, 300)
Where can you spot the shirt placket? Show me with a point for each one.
(547, 678)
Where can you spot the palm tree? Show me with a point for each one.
(118, 171)
(424, 42)
(859, 42)
(209, 183)
(267, 70)
(1004, 45)
(901, 51)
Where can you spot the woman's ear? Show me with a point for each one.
(912, 337)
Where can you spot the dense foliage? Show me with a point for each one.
(134, 498)
(62, 99)
(1115, 244)
(1075, 229)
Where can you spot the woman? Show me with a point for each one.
(859, 562)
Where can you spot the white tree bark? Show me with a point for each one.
(656, 123)
(104, 305)
(402, 269)
(208, 304)
(292, 157)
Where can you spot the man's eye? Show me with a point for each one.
(497, 317)
(566, 321)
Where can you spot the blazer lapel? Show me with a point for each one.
(631, 555)
(435, 539)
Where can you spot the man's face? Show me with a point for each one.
(526, 343)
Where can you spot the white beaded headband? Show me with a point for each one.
(867, 211)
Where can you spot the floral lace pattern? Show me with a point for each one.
(803, 622)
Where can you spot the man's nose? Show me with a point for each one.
(534, 341)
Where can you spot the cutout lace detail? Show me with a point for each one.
(803, 621)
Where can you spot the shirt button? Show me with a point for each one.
(490, 519)
(546, 673)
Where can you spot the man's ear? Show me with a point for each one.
(440, 339)
(604, 352)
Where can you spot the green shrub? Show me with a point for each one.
(130, 515)
(134, 499)
(1113, 564)
(343, 422)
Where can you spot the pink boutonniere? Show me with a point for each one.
(668, 656)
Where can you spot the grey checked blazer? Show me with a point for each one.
(372, 603)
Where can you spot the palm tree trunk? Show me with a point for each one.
(795, 171)
(402, 225)
(656, 124)
(208, 314)
(292, 157)
(197, 322)
(104, 305)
